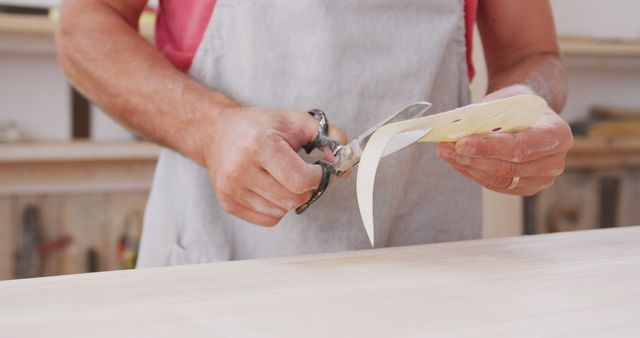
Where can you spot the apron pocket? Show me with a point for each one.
(180, 255)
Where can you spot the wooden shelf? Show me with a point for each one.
(26, 24)
(590, 47)
(45, 25)
(77, 151)
(28, 169)
(604, 153)
(591, 145)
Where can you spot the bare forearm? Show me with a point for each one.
(106, 59)
(543, 73)
(249, 152)
(520, 47)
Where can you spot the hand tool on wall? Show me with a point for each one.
(34, 249)
(28, 256)
(127, 250)
(92, 260)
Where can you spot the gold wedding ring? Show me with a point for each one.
(514, 182)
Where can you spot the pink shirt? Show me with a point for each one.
(180, 28)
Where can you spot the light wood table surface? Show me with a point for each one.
(580, 284)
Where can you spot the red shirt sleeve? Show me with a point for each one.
(180, 28)
(470, 13)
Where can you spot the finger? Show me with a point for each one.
(548, 136)
(548, 166)
(328, 154)
(247, 214)
(281, 162)
(526, 186)
(345, 174)
(447, 145)
(303, 129)
(266, 186)
(256, 203)
(338, 134)
(519, 147)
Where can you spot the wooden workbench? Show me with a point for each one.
(580, 284)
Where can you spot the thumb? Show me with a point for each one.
(338, 134)
(309, 128)
(298, 129)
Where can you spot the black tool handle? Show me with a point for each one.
(322, 140)
(327, 170)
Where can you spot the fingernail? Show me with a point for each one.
(464, 160)
(271, 212)
(267, 210)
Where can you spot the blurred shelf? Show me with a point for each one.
(604, 153)
(38, 24)
(26, 24)
(590, 47)
(76, 151)
(45, 25)
(36, 169)
(32, 3)
(592, 145)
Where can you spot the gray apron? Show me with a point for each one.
(358, 60)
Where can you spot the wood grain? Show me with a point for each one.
(580, 284)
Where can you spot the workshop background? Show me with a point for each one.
(73, 183)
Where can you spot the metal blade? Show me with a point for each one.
(411, 111)
(348, 156)
(404, 140)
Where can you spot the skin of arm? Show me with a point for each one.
(522, 57)
(103, 55)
